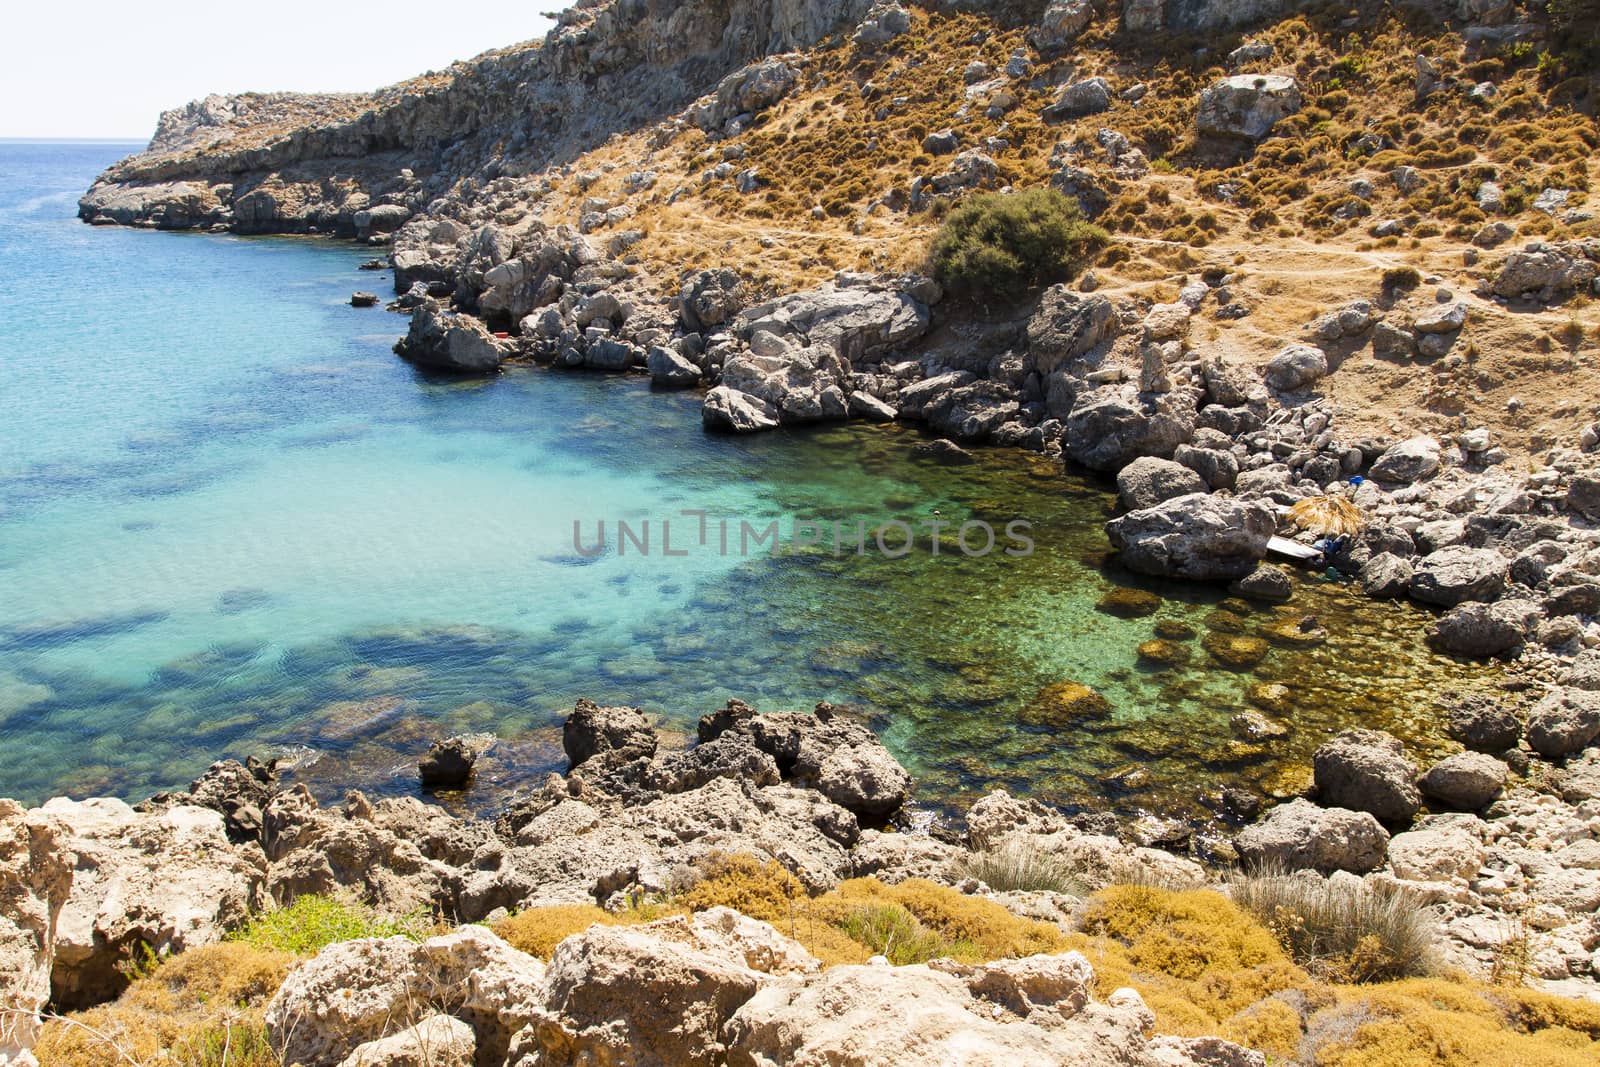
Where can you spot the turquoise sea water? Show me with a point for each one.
(231, 521)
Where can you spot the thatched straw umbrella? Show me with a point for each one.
(1327, 516)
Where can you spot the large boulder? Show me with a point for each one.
(1484, 724)
(1089, 96)
(449, 341)
(1067, 326)
(35, 879)
(1564, 722)
(747, 91)
(1367, 770)
(1033, 1010)
(858, 322)
(710, 299)
(1435, 855)
(1544, 271)
(799, 384)
(1198, 537)
(1301, 835)
(165, 880)
(1467, 781)
(1110, 428)
(1296, 367)
(620, 734)
(1247, 106)
(1457, 574)
(1409, 461)
(731, 411)
(1061, 23)
(1477, 629)
(1148, 481)
(357, 992)
(657, 995)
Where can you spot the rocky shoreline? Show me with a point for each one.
(1500, 843)
(1509, 874)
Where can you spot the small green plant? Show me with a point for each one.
(891, 931)
(313, 922)
(1344, 932)
(1002, 244)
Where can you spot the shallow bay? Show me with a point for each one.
(232, 522)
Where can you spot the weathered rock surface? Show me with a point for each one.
(355, 992)
(1458, 573)
(1300, 834)
(654, 995)
(1409, 461)
(1110, 428)
(35, 880)
(1247, 105)
(1367, 770)
(1467, 781)
(168, 879)
(1149, 481)
(437, 1041)
(1198, 537)
(1564, 722)
(449, 342)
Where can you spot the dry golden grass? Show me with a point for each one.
(198, 1009)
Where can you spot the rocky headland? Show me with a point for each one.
(1348, 259)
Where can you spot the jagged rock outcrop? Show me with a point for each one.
(167, 880)
(449, 341)
(35, 879)
(356, 992)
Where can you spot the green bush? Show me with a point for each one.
(312, 923)
(1002, 244)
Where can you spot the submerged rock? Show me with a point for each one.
(1064, 704)
(1126, 602)
(1235, 651)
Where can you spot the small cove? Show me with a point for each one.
(232, 522)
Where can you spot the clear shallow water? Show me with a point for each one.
(231, 521)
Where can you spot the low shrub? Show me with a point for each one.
(312, 922)
(1003, 244)
(1346, 933)
(198, 1009)
(1018, 864)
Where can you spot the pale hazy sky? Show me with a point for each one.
(100, 68)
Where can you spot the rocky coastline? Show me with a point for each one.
(1505, 864)
(456, 175)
